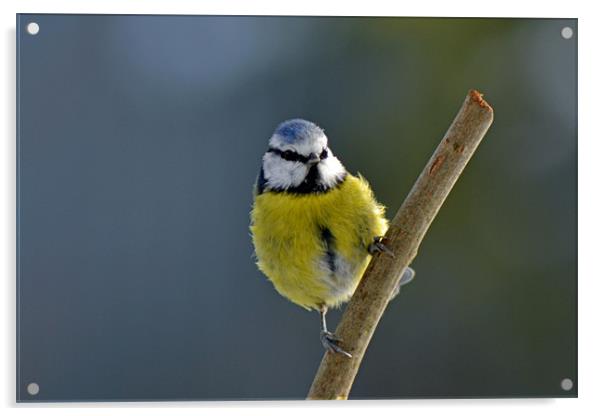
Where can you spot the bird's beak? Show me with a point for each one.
(314, 159)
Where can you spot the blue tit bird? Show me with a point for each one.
(314, 225)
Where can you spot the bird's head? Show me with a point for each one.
(298, 159)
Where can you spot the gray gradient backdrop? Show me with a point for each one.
(139, 141)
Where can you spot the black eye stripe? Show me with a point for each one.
(289, 155)
(293, 156)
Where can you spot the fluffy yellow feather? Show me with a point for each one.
(298, 239)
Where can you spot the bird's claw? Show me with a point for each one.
(378, 246)
(331, 343)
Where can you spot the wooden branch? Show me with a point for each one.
(337, 372)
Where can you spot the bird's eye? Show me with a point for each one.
(288, 155)
(324, 154)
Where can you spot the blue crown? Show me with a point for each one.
(298, 130)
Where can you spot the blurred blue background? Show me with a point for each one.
(140, 138)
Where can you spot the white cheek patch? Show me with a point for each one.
(281, 173)
(331, 170)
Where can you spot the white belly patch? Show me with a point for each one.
(341, 282)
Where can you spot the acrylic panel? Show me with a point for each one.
(140, 139)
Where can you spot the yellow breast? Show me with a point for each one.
(313, 247)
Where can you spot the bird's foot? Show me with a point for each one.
(406, 277)
(331, 343)
(378, 246)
